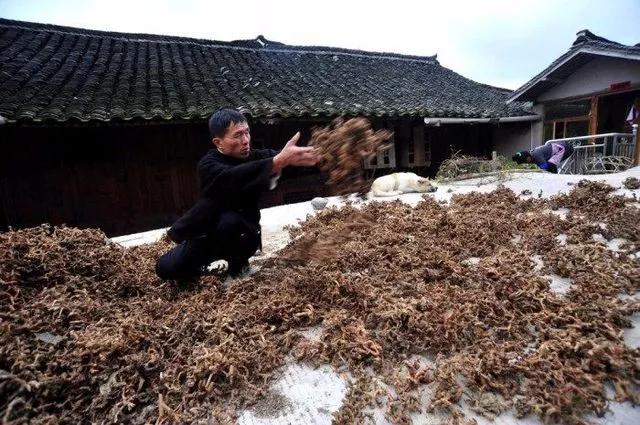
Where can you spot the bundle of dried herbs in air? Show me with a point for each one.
(344, 146)
(88, 333)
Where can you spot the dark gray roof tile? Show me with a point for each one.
(50, 72)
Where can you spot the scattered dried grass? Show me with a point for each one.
(464, 166)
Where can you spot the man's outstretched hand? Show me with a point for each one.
(295, 155)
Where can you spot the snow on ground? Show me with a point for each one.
(310, 396)
(140, 238)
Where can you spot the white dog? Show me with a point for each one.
(399, 183)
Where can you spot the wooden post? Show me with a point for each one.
(593, 118)
(635, 137)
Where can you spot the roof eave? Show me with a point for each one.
(479, 120)
(531, 84)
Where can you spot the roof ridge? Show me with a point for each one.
(585, 35)
(260, 43)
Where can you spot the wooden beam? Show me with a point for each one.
(593, 116)
(636, 132)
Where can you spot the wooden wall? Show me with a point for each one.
(119, 178)
(126, 178)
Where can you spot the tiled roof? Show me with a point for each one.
(58, 73)
(585, 48)
(587, 39)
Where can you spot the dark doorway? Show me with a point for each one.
(613, 111)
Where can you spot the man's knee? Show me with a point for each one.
(163, 269)
(239, 236)
(166, 269)
(185, 260)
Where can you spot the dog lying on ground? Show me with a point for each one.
(399, 183)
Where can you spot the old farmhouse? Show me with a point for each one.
(104, 129)
(593, 88)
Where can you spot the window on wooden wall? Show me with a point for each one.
(417, 151)
(576, 128)
(411, 152)
(385, 158)
(567, 119)
(427, 147)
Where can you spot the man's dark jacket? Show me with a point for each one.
(226, 184)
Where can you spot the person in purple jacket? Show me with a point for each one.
(548, 156)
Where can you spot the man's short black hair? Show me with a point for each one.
(220, 121)
(521, 157)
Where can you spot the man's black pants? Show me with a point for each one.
(234, 240)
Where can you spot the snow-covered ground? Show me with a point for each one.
(309, 396)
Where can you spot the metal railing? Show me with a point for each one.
(599, 153)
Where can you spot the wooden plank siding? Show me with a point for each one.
(120, 179)
(128, 178)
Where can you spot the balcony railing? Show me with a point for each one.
(600, 153)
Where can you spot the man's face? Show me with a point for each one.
(236, 142)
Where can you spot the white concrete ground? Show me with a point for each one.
(308, 396)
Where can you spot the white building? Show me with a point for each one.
(588, 90)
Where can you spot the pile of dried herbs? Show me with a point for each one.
(344, 146)
(88, 333)
(631, 183)
(460, 166)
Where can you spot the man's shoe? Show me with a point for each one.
(218, 267)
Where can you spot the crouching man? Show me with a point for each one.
(224, 224)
